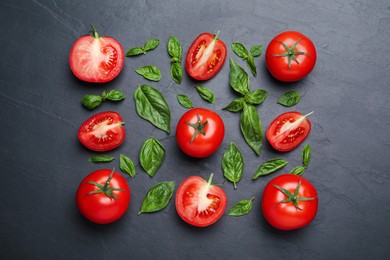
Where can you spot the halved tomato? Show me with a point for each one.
(95, 58)
(102, 132)
(288, 130)
(205, 56)
(199, 203)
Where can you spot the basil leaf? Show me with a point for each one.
(151, 156)
(238, 78)
(206, 94)
(126, 165)
(306, 155)
(174, 48)
(184, 101)
(232, 164)
(91, 101)
(251, 64)
(176, 72)
(151, 106)
(241, 208)
(269, 167)
(135, 51)
(240, 50)
(158, 197)
(151, 44)
(298, 170)
(113, 95)
(256, 97)
(149, 72)
(251, 128)
(236, 105)
(256, 50)
(290, 98)
(101, 159)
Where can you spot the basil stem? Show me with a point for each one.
(206, 94)
(149, 72)
(151, 156)
(241, 208)
(233, 164)
(101, 159)
(158, 197)
(184, 101)
(251, 128)
(290, 98)
(269, 167)
(126, 165)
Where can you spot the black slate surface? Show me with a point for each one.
(42, 161)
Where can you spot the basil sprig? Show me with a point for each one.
(241, 208)
(184, 100)
(233, 164)
(151, 156)
(290, 98)
(149, 45)
(101, 159)
(206, 94)
(152, 106)
(93, 101)
(175, 51)
(149, 72)
(242, 52)
(306, 155)
(158, 197)
(269, 167)
(126, 165)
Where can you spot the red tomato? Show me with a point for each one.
(102, 132)
(289, 202)
(95, 58)
(205, 57)
(288, 131)
(199, 203)
(200, 132)
(103, 196)
(290, 56)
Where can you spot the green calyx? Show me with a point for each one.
(94, 33)
(292, 198)
(199, 128)
(106, 189)
(290, 52)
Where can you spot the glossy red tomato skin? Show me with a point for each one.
(203, 72)
(301, 132)
(203, 145)
(186, 202)
(99, 208)
(278, 66)
(87, 61)
(285, 216)
(113, 138)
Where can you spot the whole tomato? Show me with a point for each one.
(290, 56)
(289, 202)
(103, 196)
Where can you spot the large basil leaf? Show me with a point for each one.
(238, 78)
(256, 50)
(256, 97)
(236, 105)
(101, 159)
(233, 164)
(184, 100)
(126, 165)
(151, 44)
(251, 64)
(151, 106)
(149, 72)
(298, 170)
(158, 197)
(251, 128)
(306, 155)
(176, 72)
(151, 156)
(174, 48)
(206, 94)
(290, 98)
(269, 167)
(241, 208)
(240, 50)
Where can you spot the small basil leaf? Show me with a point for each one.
(151, 44)
(306, 155)
(126, 165)
(135, 51)
(151, 105)
(241, 208)
(298, 170)
(158, 197)
(174, 48)
(149, 72)
(206, 94)
(233, 164)
(176, 72)
(256, 97)
(236, 105)
(101, 159)
(184, 101)
(240, 50)
(251, 64)
(238, 78)
(114, 95)
(151, 156)
(269, 167)
(251, 128)
(256, 50)
(91, 101)
(290, 98)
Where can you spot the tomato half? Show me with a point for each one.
(199, 203)
(102, 132)
(288, 131)
(291, 209)
(95, 58)
(205, 57)
(200, 132)
(290, 56)
(103, 196)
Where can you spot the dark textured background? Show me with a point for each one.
(42, 161)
